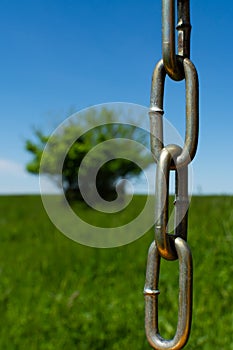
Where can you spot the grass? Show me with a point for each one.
(58, 294)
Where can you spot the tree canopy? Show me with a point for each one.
(111, 151)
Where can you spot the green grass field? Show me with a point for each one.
(56, 294)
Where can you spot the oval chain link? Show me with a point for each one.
(151, 293)
(173, 62)
(165, 241)
(192, 112)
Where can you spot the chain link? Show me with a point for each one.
(168, 158)
(192, 112)
(151, 293)
(172, 62)
(165, 241)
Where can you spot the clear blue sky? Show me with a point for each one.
(63, 54)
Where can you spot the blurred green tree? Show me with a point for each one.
(103, 160)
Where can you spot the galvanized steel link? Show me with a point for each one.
(165, 241)
(151, 293)
(192, 112)
(172, 62)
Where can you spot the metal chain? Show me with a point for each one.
(169, 158)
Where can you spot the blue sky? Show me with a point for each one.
(58, 55)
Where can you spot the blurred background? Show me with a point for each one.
(62, 56)
(59, 57)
